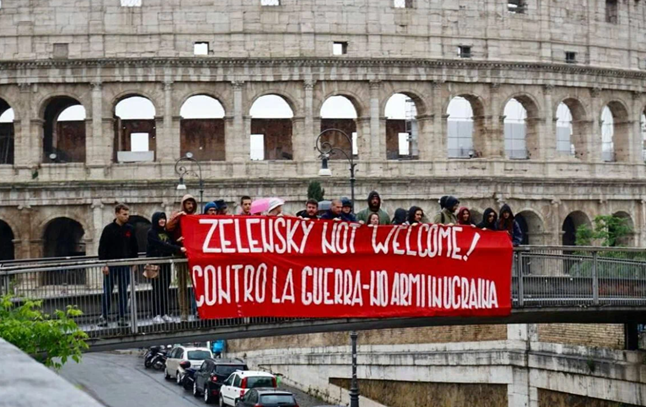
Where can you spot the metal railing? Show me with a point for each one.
(559, 276)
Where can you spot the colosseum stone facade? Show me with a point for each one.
(59, 179)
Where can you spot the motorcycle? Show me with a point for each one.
(150, 354)
(189, 375)
(158, 361)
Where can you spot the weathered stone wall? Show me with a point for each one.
(372, 29)
(443, 334)
(547, 398)
(609, 336)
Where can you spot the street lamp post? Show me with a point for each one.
(325, 148)
(183, 170)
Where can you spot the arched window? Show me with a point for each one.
(271, 129)
(402, 130)
(135, 130)
(202, 128)
(460, 128)
(573, 222)
(64, 130)
(62, 238)
(6, 242)
(338, 112)
(6, 133)
(515, 130)
(564, 131)
(607, 135)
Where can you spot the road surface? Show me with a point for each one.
(119, 380)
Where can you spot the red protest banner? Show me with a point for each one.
(287, 267)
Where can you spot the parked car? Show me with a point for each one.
(180, 354)
(267, 398)
(211, 375)
(236, 385)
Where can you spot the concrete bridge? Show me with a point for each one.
(549, 285)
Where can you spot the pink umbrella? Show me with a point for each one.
(259, 206)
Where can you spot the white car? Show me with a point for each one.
(235, 386)
(180, 354)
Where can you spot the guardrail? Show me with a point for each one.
(542, 276)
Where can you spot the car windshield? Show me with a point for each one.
(259, 381)
(198, 354)
(277, 399)
(226, 370)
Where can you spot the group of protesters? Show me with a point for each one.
(164, 239)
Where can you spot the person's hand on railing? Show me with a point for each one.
(106, 270)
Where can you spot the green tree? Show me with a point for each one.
(50, 339)
(314, 191)
(608, 230)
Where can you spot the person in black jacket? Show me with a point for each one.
(118, 241)
(160, 244)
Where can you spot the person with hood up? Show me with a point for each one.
(509, 224)
(489, 220)
(160, 244)
(415, 215)
(400, 217)
(464, 216)
(347, 214)
(221, 207)
(187, 207)
(210, 209)
(374, 206)
(447, 214)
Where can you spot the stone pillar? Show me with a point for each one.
(36, 137)
(637, 142)
(299, 138)
(310, 131)
(25, 216)
(546, 128)
(493, 130)
(237, 136)
(363, 138)
(109, 139)
(554, 225)
(167, 142)
(176, 132)
(97, 152)
(377, 145)
(427, 144)
(162, 146)
(594, 138)
(229, 137)
(22, 133)
(519, 391)
(437, 132)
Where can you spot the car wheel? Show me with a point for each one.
(178, 378)
(195, 392)
(220, 401)
(207, 395)
(166, 375)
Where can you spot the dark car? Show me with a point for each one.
(267, 398)
(211, 375)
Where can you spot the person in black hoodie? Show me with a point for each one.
(160, 244)
(118, 241)
(400, 217)
(489, 220)
(509, 224)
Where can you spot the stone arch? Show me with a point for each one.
(135, 138)
(525, 132)
(571, 223)
(288, 97)
(63, 237)
(128, 93)
(351, 96)
(402, 126)
(628, 240)
(580, 126)
(223, 102)
(7, 132)
(63, 141)
(7, 237)
(533, 227)
(465, 134)
(420, 103)
(271, 138)
(204, 134)
(616, 139)
(345, 122)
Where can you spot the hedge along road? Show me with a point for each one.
(120, 380)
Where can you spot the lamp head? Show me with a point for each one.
(324, 171)
(181, 186)
(189, 155)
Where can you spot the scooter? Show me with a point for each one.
(158, 361)
(150, 354)
(189, 375)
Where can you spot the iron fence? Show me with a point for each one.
(541, 277)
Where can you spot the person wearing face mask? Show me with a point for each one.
(160, 244)
(447, 214)
(489, 220)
